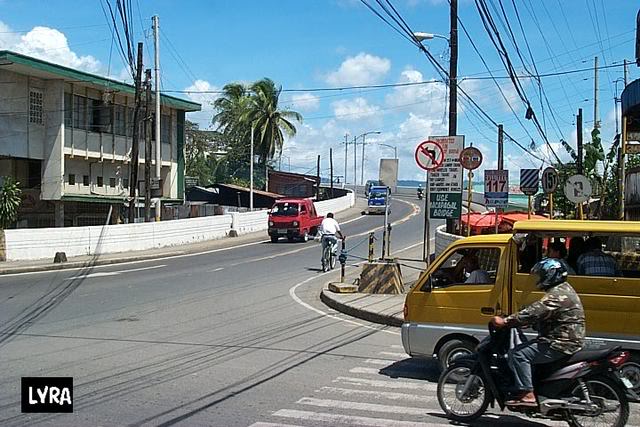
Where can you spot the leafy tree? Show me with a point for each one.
(270, 122)
(9, 202)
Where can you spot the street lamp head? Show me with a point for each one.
(420, 36)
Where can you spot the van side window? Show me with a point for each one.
(468, 266)
(303, 209)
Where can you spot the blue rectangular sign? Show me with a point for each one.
(496, 188)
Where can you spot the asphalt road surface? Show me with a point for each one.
(235, 337)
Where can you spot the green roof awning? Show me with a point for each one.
(9, 58)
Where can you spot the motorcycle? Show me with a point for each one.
(420, 193)
(583, 389)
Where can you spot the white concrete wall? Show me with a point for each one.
(43, 243)
(249, 222)
(444, 239)
(335, 205)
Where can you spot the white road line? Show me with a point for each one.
(361, 370)
(394, 385)
(216, 269)
(360, 406)
(351, 420)
(379, 395)
(114, 273)
(383, 362)
(398, 346)
(261, 424)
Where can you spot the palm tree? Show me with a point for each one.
(270, 123)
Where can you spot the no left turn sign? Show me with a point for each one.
(429, 155)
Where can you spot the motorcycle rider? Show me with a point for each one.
(329, 228)
(420, 191)
(559, 319)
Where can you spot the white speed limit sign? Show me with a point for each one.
(549, 180)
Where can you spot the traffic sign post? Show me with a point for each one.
(470, 159)
(496, 188)
(549, 184)
(578, 189)
(429, 156)
(529, 184)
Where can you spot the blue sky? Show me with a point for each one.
(340, 43)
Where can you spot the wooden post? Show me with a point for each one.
(331, 169)
(147, 146)
(550, 205)
(469, 189)
(318, 179)
(133, 181)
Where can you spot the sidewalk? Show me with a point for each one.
(377, 308)
(13, 267)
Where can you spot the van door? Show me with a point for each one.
(462, 293)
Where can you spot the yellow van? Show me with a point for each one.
(447, 310)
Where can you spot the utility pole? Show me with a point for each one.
(147, 146)
(362, 160)
(346, 153)
(251, 172)
(500, 147)
(596, 122)
(579, 141)
(133, 184)
(331, 169)
(355, 164)
(453, 70)
(156, 47)
(318, 179)
(621, 156)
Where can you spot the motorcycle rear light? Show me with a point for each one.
(620, 359)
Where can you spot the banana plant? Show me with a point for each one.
(9, 202)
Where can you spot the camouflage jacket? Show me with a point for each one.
(558, 317)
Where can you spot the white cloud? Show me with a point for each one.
(430, 98)
(354, 109)
(48, 44)
(362, 69)
(203, 118)
(305, 102)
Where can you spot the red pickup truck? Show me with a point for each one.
(293, 219)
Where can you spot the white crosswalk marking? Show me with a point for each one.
(373, 407)
(426, 386)
(350, 420)
(379, 395)
(388, 391)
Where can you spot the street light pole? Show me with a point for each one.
(453, 70)
(251, 173)
(363, 144)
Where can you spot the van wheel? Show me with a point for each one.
(631, 371)
(274, 239)
(452, 349)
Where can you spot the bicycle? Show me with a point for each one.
(329, 253)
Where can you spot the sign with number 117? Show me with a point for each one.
(496, 188)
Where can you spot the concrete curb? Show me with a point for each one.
(327, 298)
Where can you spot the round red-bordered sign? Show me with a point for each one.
(429, 155)
(470, 158)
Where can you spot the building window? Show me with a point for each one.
(79, 111)
(100, 183)
(120, 125)
(72, 179)
(68, 110)
(35, 107)
(100, 117)
(165, 129)
(34, 168)
(112, 182)
(85, 180)
(125, 182)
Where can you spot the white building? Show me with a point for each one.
(65, 135)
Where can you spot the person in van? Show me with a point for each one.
(558, 250)
(468, 270)
(576, 248)
(560, 321)
(594, 262)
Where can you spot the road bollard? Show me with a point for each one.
(389, 241)
(384, 243)
(343, 261)
(371, 248)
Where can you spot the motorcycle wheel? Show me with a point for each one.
(457, 404)
(332, 262)
(611, 399)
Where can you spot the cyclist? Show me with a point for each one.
(328, 230)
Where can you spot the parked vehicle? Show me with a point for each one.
(371, 183)
(293, 219)
(445, 317)
(378, 199)
(583, 389)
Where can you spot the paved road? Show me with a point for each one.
(236, 337)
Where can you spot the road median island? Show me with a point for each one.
(105, 258)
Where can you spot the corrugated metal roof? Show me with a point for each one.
(557, 226)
